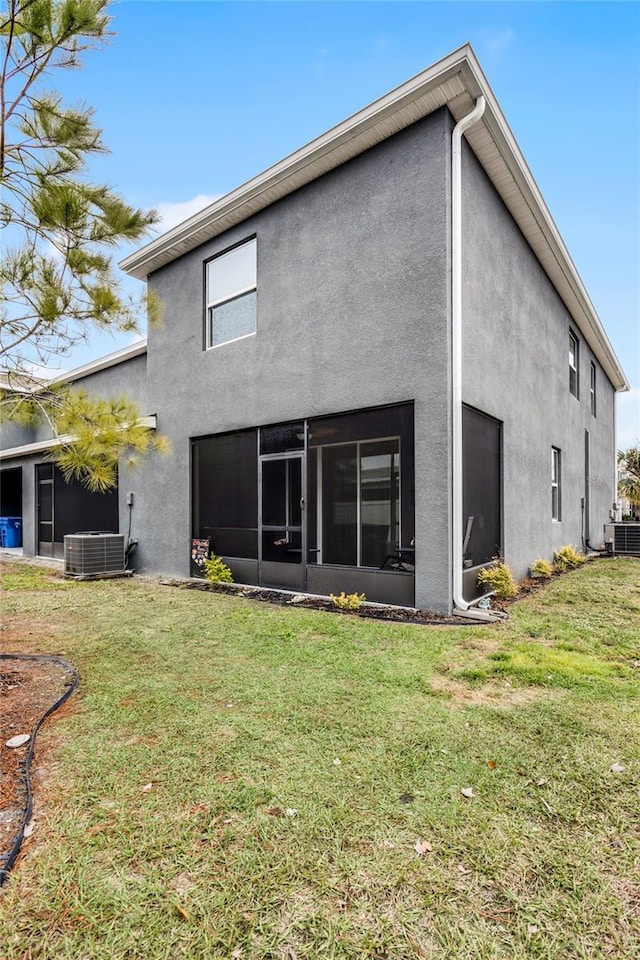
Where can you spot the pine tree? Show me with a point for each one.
(60, 234)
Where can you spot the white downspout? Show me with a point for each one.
(459, 603)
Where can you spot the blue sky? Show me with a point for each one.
(197, 97)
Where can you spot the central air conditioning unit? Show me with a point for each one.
(623, 538)
(94, 555)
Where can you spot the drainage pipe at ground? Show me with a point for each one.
(16, 842)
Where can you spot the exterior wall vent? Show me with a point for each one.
(94, 555)
(623, 538)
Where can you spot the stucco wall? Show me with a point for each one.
(128, 377)
(352, 307)
(516, 368)
(15, 435)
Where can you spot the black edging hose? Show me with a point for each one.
(9, 860)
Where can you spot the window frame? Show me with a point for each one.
(211, 304)
(556, 485)
(593, 389)
(574, 369)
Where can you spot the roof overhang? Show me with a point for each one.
(455, 81)
(102, 363)
(46, 446)
(12, 380)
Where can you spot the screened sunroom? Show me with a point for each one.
(314, 505)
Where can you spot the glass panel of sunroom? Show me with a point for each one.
(379, 501)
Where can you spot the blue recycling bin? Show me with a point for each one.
(11, 531)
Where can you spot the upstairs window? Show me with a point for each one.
(592, 389)
(231, 295)
(573, 364)
(555, 484)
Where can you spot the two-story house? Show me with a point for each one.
(378, 366)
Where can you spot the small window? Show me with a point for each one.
(573, 364)
(555, 484)
(231, 295)
(592, 389)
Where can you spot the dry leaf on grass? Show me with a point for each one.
(275, 811)
(147, 787)
(467, 792)
(422, 846)
(491, 764)
(28, 830)
(616, 768)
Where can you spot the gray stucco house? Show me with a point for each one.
(378, 368)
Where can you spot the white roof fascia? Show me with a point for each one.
(42, 446)
(455, 81)
(30, 449)
(300, 166)
(102, 363)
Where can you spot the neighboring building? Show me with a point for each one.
(378, 367)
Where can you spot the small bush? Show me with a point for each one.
(542, 569)
(499, 578)
(348, 601)
(567, 558)
(217, 571)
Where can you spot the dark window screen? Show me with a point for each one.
(340, 504)
(338, 456)
(481, 471)
(225, 495)
(282, 438)
(77, 509)
(379, 501)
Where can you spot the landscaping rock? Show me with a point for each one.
(19, 740)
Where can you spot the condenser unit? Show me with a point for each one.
(94, 555)
(623, 538)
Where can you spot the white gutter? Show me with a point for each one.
(459, 603)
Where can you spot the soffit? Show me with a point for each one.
(455, 82)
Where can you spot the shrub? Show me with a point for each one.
(217, 571)
(348, 601)
(499, 578)
(542, 568)
(568, 558)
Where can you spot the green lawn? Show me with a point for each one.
(238, 780)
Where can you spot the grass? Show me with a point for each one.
(237, 780)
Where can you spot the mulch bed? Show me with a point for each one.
(28, 688)
(371, 611)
